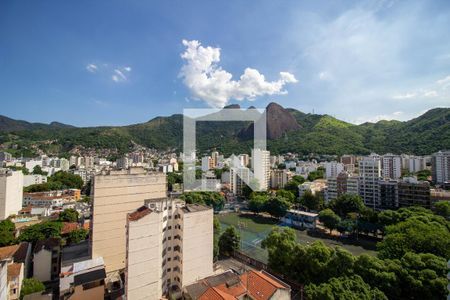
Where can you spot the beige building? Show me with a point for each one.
(261, 167)
(169, 245)
(279, 178)
(115, 194)
(47, 260)
(11, 189)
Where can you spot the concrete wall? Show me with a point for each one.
(197, 246)
(4, 280)
(42, 265)
(144, 258)
(95, 293)
(114, 196)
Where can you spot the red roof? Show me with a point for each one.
(69, 227)
(260, 285)
(215, 294)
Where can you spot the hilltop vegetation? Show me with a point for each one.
(313, 133)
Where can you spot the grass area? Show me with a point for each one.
(254, 230)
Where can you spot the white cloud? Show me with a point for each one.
(91, 68)
(119, 74)
(207, 81)
(397, 115)
(438, 89)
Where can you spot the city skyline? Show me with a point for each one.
(123, 64)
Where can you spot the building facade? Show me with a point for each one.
(261, 167)
(440, 167)
(11, 192)
(369, 175)
(114, 194)
(169, 245)
(392, 166)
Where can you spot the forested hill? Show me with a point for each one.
(289, 130)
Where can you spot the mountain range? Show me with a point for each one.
(288, 130)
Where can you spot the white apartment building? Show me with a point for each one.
(333, 168)
(5, 156)
(261, 167)
(114, 194)
(369, 175)
(440, 167)
(169, 246)
(317, 187)
(11, 191)
(416, 164)
(392, 166)
(30, 164)
(33, 179)
(238, 179)
(244, 160)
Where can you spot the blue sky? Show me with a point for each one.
(120, 62)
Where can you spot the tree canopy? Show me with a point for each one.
(229, 241)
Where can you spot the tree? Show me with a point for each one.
(418, 234)
(286, 194)
(442, 208)
(257, 203)
(343, 288)
(76, 236)
(318, 174)
(214, 199)
(173, 178)
(229, 241)
(329, 219)
(293, 184)
(67, 180)
(277, 206)
(30, 286)
(41, 231)
(281, 247)
(312, 202)
(37, 170)
(68, 215)
(347, 203)
(6, 238)
(346, 225)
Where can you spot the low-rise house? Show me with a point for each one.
(231, 286)
(42, 199)
(47, 260)
(83, 280)
(12, 270)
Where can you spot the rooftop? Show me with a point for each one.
(47, 244)
(8, 251)
(195, 208)
(14, 270)
(139, 213)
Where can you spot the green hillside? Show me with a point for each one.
(320, 134)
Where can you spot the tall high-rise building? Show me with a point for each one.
(115, 194)
(207, 163)
(169, 246)
(11, 192)
(261, 167)
(348, 159)
(238, 179)
(388, 193)
(333, 169)
(279, 178)
(440, 167)
(215, 158)
(416, 164)
(369, 175)
(392, 166)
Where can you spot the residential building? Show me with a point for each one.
(279, 178)
(416, 164)
(47, 260)
(251, 284)
(88, 162)
(244, 160)
(317, 187)
(33, 179)
(215, 158)
(439, 195)
(207, 163)
(333, 169)
(11, 189)
(30, 164)
(238, 179)
(261, 167)
(15, 279)
(388, 194)
(414, 193)
(114, 194)
(123, 163)
(12, 264)
(440, 167)
(169, 245)
(369, 175)
(344, 183)
(348, 159)
(392, 166)
(43, 199)
(83, 280)
(5, 156)
(6, 254)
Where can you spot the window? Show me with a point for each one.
(169, 238)
(170, 227)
